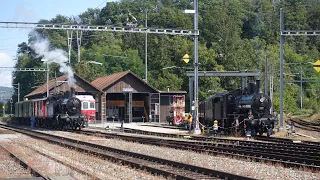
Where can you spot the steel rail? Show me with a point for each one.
(152, 164)
(287, 157)
(33, 171)
(303, 144)
(86, 173)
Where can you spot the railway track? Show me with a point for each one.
(294, 155)
(223, 139)
(310, 126)
(33, 171)
(152, 164)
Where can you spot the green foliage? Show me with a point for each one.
(234, 35)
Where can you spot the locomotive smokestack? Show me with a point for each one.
(73, 92)
(258, 83)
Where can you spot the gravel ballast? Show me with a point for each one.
(93, 165)
(11, 169)
(240, 167)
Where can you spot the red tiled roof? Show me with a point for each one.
(103, 82)
(43, 89)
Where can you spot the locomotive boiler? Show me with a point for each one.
(65, 109)
(244, 111)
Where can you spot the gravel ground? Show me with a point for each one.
(314, 134)
(100, 168)
(9, 168)
(240, 167)
(43, 164)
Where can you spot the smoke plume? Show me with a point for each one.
(42, 47)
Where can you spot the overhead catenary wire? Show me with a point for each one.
(101, 4)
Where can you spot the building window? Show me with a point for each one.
(164, 100)
(92, 105)
(85, 105)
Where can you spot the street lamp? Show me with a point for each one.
(47, 62)
(196, 66)
(93, 62)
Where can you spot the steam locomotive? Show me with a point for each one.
(243, 111)
(59, 111)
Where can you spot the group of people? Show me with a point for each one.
(189, 124)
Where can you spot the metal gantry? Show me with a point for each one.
(284, 33)
(106, 28)
(75, 27)
(22, 69)
(225, 73)
(243, 74)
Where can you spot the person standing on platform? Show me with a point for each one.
(32, 119)
(190, 120)
(215, 127)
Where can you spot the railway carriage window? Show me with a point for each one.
(91, 105)
(85, 105)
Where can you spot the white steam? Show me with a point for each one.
(42, 47)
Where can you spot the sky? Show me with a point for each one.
(32, 11)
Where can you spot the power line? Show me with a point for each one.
(101, 4)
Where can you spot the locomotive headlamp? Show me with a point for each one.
(262, 99)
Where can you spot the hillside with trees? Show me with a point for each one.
(234, 35)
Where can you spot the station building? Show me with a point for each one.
(120, 96)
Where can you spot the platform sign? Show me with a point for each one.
(316, 66)
(128, 89)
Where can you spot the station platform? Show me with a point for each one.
(152, 127)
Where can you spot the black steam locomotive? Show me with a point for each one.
(67, 111)
(244, 111)
(59, 111)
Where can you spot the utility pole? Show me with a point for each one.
(48, 71)
(69, 44)
(11, 101)
(271, 89)
(281, 67)
(196, 69)
(18, 92)
(146, 49)
(284, 33)
(79, 45)
(48, 78)
(266, 77)
(300, 89)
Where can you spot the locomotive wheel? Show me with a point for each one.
(268, 134)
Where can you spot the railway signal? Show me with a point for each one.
(316, 66)
(186, 58)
